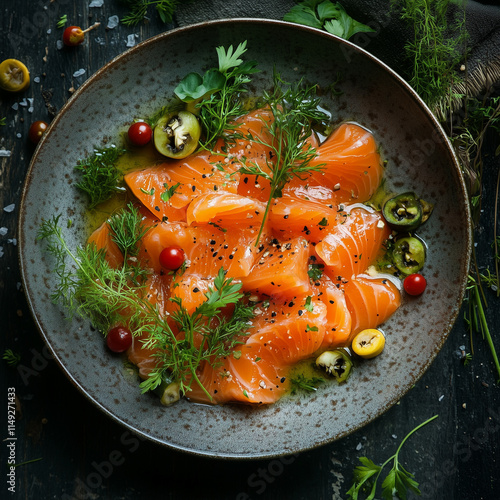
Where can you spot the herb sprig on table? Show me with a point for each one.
(397, 481)
(138, 10)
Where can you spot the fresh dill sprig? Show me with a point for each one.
(128, 229)
(138, 10)
(99, 175)
(434, 53)
(207, 335)
(11, 358)
(91, 287)
(62, 21)
(216, 96)
(302, 383)
(397, 482)
(295, 109)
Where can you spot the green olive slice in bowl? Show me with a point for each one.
(176, 135)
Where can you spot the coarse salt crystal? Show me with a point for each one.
(13, 241)
(23, 103)
(113, 22)
(59, 44)
(359, 446)
(9, 208)
(3, 231)
(96, 3)
(441, 398)
(15, 106)
(130, 40)
(36, 79)
(79, 73)
(4, 153)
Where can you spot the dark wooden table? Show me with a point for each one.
(84, 454)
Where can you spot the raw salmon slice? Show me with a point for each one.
(290, 331)
(351, 246)
(371, 301)
(338, 317)
(187, 179)
(102, 239)
(291, 216)
(227, 210)
(281, 269)
(207, 249)
(247, 378)
(352, 164)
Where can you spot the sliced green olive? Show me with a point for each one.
(176, 135)
(336, 363)
(409, 254)
(403, 212)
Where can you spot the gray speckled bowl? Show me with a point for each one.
(419, 158)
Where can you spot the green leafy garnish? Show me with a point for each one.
(127, 230)
(3, 121)
(302, 383)
(99, 175)
(181, 357)
(62, 21)
(295, 109)
(138, 10)
(309, 306)
(169, 191)
(12, 358)
(397, 482)
(327, 15)
(216, 96)
(315, 271)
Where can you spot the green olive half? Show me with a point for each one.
(409, 254)
(176, 135)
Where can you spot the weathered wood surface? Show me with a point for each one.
(85, 455)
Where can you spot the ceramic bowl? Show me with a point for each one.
(419, 158)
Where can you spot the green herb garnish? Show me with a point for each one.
(327, 15)
(302, 383)
(128, 229)
(11, 358)
(309, 306)
(216, 96)
(169, 191)
(397, 482)
(315, 271)
(99, 175)
(138, 10)
(295, 109)
(3, 121)
(62, 21)
(180, 357)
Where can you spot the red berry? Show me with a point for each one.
(37, 129)
(140, 133)
(172, 257)
(73, 35)
(415, 284)
(119, 339)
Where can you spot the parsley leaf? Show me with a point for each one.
(397, 481)
(169, 191)
(324, 14)
(315, 271)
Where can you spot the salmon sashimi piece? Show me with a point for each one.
(291, 216)
(311, 190)
(338, 317)
(247, 378)
(225, 210)
(371, 301)
(145, 359)
(352, 245)
(252, 152)
(167, 189)
(352, 165)
(207, 249)
(281, 269)
(102, 238)
(289, 331)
